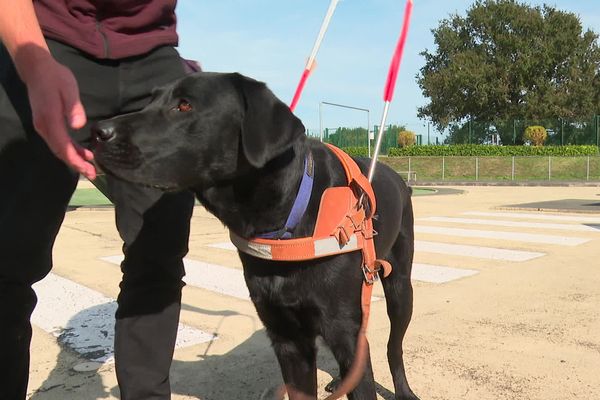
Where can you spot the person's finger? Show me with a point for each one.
(87, 154)
(55, 134)
(76, 115)
(80, 164)
(73, 109)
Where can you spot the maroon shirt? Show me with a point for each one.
(109, 28)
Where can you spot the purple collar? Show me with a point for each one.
(300, 204)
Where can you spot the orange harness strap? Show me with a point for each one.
(358, 222)
(344, 224)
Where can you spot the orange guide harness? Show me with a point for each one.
(344, 224)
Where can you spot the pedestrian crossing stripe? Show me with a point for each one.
(503, 235)
(84, 319)
(439, 274)
(488, 253)
(517, 224)
(585, 219)
(211, 277)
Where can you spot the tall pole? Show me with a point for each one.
(597, 131)
(391, 83)
(470, 133)
(313, 54)
(428, 124)
(369, 132)
(514, 131)
(321, 121)
(386, 108)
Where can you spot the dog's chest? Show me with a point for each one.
(302, 284)
(289, 289)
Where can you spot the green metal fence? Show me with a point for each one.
(561, 131)
(357, 137)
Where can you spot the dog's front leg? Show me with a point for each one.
(297, 360)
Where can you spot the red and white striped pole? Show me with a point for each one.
(313, 54)
(391, 83)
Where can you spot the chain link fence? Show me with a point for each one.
(561, 131)
(357, 137)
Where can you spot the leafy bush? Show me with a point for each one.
(406, 139)
(357, 151)
(536, 135)
(486, 150)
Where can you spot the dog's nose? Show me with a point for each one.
(103, 131)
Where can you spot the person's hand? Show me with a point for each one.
(54, 98)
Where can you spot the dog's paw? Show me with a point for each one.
(331, 386)
(406, 396)
(274, 393)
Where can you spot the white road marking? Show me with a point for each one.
(223, 246)
(212, 277)
(216, 278)
(488, 253)
(518, 224)
(439, 274)
(540, 216)
(516, 236)
(83, 319)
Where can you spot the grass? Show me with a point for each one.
(459, 169)
(498, 169)
(88, 198)
(94, 198)
(422, 192)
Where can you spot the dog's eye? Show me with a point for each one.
(184, 106)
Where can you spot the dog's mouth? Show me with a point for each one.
(117, 154)
(165, 187)
(126, 172)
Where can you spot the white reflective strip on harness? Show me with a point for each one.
(254, 249)
(321, 248)
(330, 246)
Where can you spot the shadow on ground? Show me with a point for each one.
(249, 371)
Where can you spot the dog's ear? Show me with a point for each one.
(268, 126)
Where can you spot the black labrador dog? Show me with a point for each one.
(242, 151)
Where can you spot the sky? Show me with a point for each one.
(270, 40)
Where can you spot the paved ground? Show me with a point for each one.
(568, 205)
(506, 306)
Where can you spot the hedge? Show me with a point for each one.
(487, 150)
(357, 151)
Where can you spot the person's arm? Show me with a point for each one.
(52, 88)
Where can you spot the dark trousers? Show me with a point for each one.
(35, 188)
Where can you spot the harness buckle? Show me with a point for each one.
(357, 220)
(370, 276)
(370, 235)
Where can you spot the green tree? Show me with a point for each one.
(506, 60)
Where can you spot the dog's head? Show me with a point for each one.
(196, 132)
